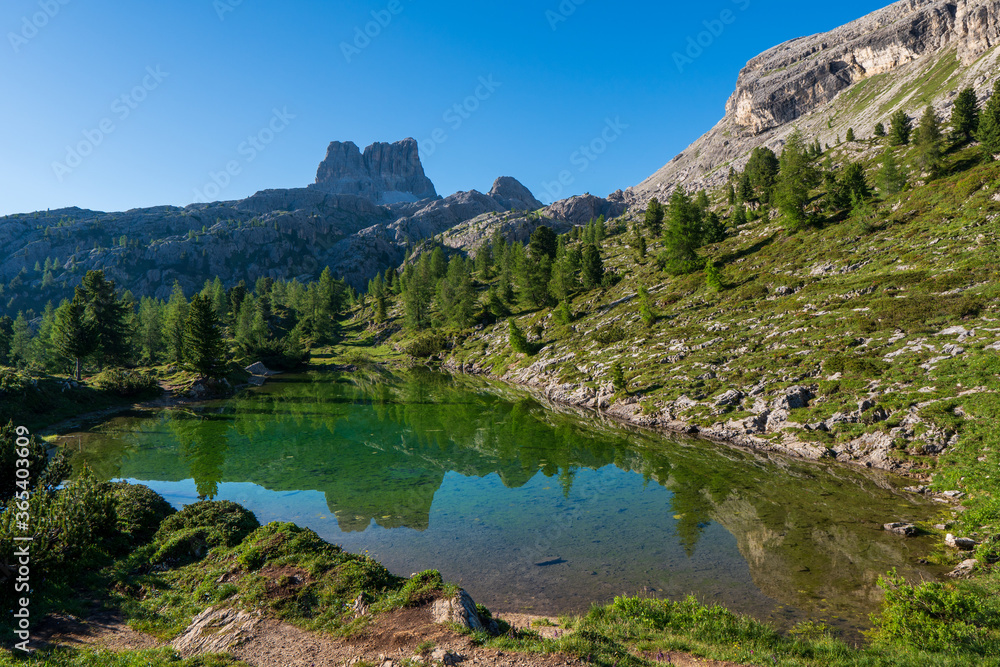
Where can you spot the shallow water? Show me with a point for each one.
(528, 508)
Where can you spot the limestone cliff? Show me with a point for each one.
(385, 173)
(905, 56)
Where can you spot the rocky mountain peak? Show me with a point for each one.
(903, 56)
(385, 173)
(512, 195)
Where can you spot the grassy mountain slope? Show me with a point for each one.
(873, 342)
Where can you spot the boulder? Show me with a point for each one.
(460, 609)
(963, 569)
(960, 543)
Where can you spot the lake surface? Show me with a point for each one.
(529, 508)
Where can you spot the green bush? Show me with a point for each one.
(425, 346)
(127, 383)
(935, 616)
(44, 473)
(189, 534)
(609, 335)
(139, 511)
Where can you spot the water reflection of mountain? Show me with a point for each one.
(379, 448)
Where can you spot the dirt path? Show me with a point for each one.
(263, 642)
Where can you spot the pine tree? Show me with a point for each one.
(713, 277)
(713, 231)
(457, 296)
(988, 133)
(593, 267)
(518, 341)
(543, 242)
(20, 342)
(174, 322)
(203, 345)
(892, 178)
(73, 334)
(109, 315)
(701, 201)
(745, 193)
(762, 169)
(796, 177)
(965, 116)
(6, 334)
(641, 248)
(739, 216)
(851, 185)
(654, 217)
(928, 142)
(879, 130)
(683, 235)
(900, 129)
(618, 377)
(151, 342)
(563, 314)
(850, 135)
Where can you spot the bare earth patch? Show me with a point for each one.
(263, 642)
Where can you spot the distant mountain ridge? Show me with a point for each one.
(358, 218)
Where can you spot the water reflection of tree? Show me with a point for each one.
(203, 444)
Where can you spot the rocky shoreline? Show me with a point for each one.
(871, 450)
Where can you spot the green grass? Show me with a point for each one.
(104, 658)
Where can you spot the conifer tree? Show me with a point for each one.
(151, 342)
(850, 135)
(988, 133)
(965, 116)
(739, 216)
(6, 334)
(203, 344)
(518, 341)
(654, 217)
(73, 334)
(900, 129)
(593, 267)
(796, 177)
(20, 342)
(176, 317)
(713, 231)
(892, 178)
(713, 277)
(543, 242)
(683, 234)
(618, 377)
(109, 316)
(762, 169)
(457, 295)
(928, 142)
(879, 130)
(563, 313)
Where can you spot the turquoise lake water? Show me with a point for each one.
(530, 509)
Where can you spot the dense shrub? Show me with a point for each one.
(936, 616)
(127, 383)
(189, 534)
(425, 346)
(139, 511)
(614, 333)
(44, 473)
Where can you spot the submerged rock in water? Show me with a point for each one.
(900, 528)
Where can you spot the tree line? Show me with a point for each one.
(101, 327)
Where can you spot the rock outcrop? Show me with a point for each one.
(513, 196)
(895, 53)
(385, 173)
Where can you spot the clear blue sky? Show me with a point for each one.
(220, 81)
